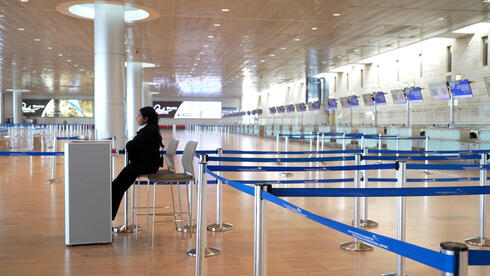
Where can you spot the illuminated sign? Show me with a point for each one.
(58, 108)
(189, 109)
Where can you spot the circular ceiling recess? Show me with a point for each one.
(86, 10)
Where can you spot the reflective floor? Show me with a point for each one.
(32, 225)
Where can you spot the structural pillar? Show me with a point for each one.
(1, 107)
(109, 72)
(134, 77)
(17, 106)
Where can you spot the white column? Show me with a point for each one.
(1, 107)
(109, 72)
(146, 96)
(17, 106)
(134, 76)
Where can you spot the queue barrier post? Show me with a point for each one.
(317, 144)
(364, 221)
(401, 176)
(311, 144)
(380, 147)
(343, 144)
(260, 230)
(426, 162)
(53, 178)
(286, 138)
(277, 149)
(219, 225)
(202, 250)
(460, 251)
(356, 245)
(482, 240)
(397, 145)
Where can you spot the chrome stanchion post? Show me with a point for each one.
(260, 230)
(219, 225)
(317, 143)
(364, 221)
(53, 178)
(401, 176)
(277, 149)
(356, 244)
(286, 174)
(482, 240)
(426, 171)
(380, 147)
(397, 145)
(127, 226)
(362, 141)
(311, 144)
(343, 144)
(113, 157)
(202, 250)
(460, 251)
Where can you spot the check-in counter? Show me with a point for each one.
(285, 129)
(403, 132)
(36, 142)
(347, 130)
(308, 129)
(447, 138)
(484, 139)
(295, 129)
(369, 143)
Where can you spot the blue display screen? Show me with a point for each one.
(414, 94)
(461, 89)
(344, 101)
(272, 110)
(368, 99)
(316, 105)
(353, 101)
(290, 108)
(332, 103)
(379, 97)
(281, 109)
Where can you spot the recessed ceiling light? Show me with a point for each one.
(314, 28)
(13, 63)
(324, 62)
(283, 48)
(37, 39)
(210, 36)
(20, 28)
(76, 65)
(2, 15)
(195, 64)
(205, 46)
(336, 14)
(217, 25)
(297, 39)
(87, 10)
(440, 18)
(69, 60)
(339, 56)
(50, 48)
(201, 53)
(262, 60)
(25, 1)
(225, 10)
(271, 55)
(198, 58)
(60, 54)
(81, 70)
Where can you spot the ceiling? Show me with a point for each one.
(257, 44)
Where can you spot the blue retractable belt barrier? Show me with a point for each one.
(421, 158)
(255, 159)
(423, 255)
(301, 181)
(380, 192)
(297, 169)
(453, 179)
(428, 152)
(479, 257)
(30, 153)
(446, 167)
(290, 152)
(241, 187)
(68, 138)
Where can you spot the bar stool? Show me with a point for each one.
(171, 177)
(169, 160)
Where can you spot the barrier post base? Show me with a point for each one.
(126, 228)
(286, 174)
(356, 246)
(187, 228)
(368, 223)
(426, 172)
(223, 227)
(394, 274)
(478, 241)
(278, 163)
(208, 252)
(52, 180)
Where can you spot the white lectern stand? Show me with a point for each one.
(88, 208)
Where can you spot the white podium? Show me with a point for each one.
(88, 197)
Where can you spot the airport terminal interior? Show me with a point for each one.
(301, 137)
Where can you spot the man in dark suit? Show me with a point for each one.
(143, 154)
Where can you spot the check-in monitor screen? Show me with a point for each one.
(439, 91)
(379, 97)
(398, 96)
(344, 101)
(281, 109)
(353, 101)
(332, 103)
(414, 94)
(367, 99)
(301, 107)
(272, 110)
(461, 89)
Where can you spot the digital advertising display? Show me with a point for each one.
(58, 108)
(460, 89)
(414, 94)
(439, 91)
(272, 110)
(301, 107)
(398, 96)
(332, 103)
(188, 109)
(290, 108)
